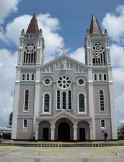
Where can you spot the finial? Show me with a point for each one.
(64, 50)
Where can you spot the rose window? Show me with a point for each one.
(64, 82)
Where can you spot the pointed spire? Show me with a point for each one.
(33, 26)
(94, 26)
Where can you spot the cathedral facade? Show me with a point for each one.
(63, 99)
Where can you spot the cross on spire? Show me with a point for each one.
(64, 50)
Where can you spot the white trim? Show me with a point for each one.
(24, 101)
(23, 123)
(84, 103)
(99, 100)
(49, 103)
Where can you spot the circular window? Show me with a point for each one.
(64, 82)
(80, 82)
(47, 81)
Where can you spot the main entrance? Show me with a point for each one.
(82, 134)
(64, 132)
(45, 133)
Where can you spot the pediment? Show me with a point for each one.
(64, 62)
(64, 114)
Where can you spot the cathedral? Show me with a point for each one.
(63, 99)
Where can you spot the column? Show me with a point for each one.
(112, 107)
(36, 132)
(91, 131)
(37, 98)
(75, 132)
(52, 132)
(91, 103)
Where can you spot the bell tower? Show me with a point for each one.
(96, 45)
(31, 45)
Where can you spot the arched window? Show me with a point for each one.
(32, 76)
(26, 100)
(81, 103)
(105, 77)
(46, 102)
(95, 77)
(101, 94)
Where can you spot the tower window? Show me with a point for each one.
(25, 123)
(95, 77)
(100, 77)
(101, 93)
(46, 102)
(27, 76)
(105, 77)
(81, 103)
(32, 76)
(23, 77)
(26, 100)
(93, 61)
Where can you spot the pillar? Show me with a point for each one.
(36, 132)
(91, 103)
(52, 132)
(75, 132)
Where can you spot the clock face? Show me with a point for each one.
(98, 48)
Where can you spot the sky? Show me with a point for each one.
(64, 23)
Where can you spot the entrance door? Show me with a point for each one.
(46, 133)
(82, 134)
(64, 132)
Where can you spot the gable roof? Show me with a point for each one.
(62, 57)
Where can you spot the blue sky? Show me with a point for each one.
(63, 23)
(74, 16)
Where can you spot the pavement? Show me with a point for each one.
(61, 154)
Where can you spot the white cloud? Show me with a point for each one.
(7, 78)
(7, 7)
(117, 54)
(49, 25)
(79, 55)
(114, 23)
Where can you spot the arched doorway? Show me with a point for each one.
(44, 131)
(63, 132)
(83, 131)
